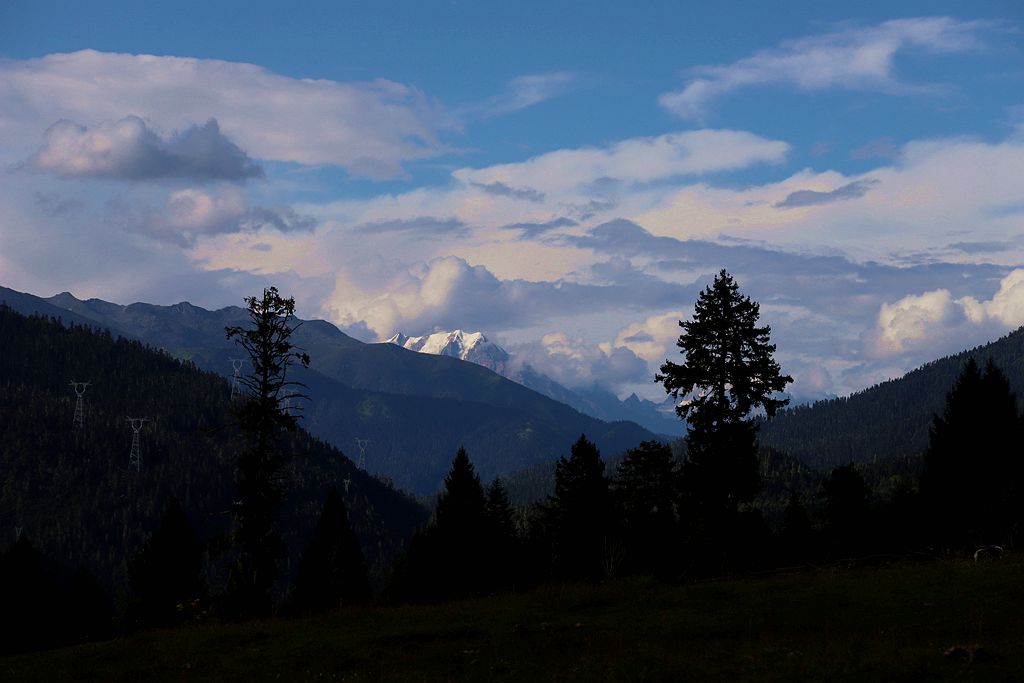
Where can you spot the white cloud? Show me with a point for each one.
(128, 149)
(933, 320)
(1006, 307)
(852, 58)
(574, 362)
(913, 319)
(448, 293)
(652, 339)
(633, 161)
(371, 128)
(190, 213)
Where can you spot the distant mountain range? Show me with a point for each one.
(415, 409)
(595, 401)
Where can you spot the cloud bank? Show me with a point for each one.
(371, 128)
(128, 149)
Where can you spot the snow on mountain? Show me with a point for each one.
(594, 401)
(469, 346)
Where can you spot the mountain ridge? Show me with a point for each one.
(379, 391)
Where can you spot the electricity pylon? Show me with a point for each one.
(135, 457)
(362, 444)
(236, 385)
(80, 387)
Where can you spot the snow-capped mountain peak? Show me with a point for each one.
(469, 346)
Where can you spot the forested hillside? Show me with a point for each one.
(71, 490)
(416, 410)
(887, 420)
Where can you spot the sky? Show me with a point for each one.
(565, 177)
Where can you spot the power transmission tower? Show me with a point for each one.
(362, 444)
(135, 457)
(347, 481)
(236, 385)
(79, 387)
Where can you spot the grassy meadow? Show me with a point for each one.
(930, 621)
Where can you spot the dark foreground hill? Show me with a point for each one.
(890, 419)
(416, 409)
(72, 492)
(932, 621)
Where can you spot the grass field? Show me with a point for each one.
(892, 623)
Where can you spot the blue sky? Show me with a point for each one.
(564, 177)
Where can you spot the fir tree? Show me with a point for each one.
(500, 543)
(332, 571)
(580, 513)
(796, 536)
(972, 480)
(646, 482)
(445, 559)
(166, 574)
(728, 373)
(846, 518)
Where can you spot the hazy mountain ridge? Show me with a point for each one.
(416, 409)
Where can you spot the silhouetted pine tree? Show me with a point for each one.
(846, 521)
(32, 613)
(972, 481)
(332, 571)
(580, 514)
(444, 560)
(728, 372)
(166, 574)
(500, 541)
(646, 485)
(796, 542)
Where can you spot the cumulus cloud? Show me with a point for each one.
(913, 318)
(932, 319)
(190, 213)
(652, 339)
(449, 293)
(801, 198)
(371, 128)
(128, 149)
(575, 363)
(860, 58)
(1007, 306)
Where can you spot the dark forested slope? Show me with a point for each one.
(889, 419)
(72, 490)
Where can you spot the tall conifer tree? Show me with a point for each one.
(581, 512)
(262, 417)
(728, 372)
